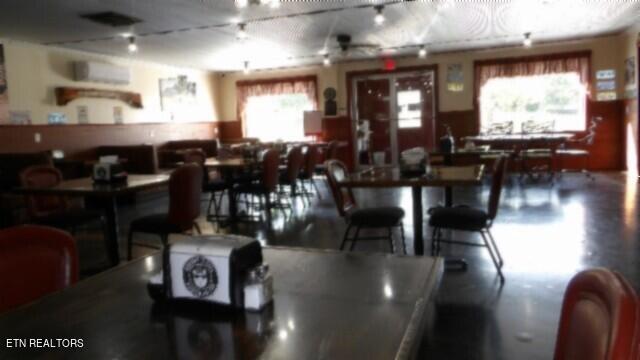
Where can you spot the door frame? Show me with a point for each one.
(351, 75)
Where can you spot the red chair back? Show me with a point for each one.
(35, 261)
(185, 190)
(270, 163)
(599, 318)
(198, 157)
(499, 172)
(43, 176)
(310, 160)
(294, 163)
(336, 172)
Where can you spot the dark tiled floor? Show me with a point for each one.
(546, 234)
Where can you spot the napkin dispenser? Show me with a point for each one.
(217, 269)
(109, 173)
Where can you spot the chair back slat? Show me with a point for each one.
(336, 172)
(332, 150)
(185, 190)
(599, 318)
(294, 163)
(270, 163)
(310, 160)
(497, 181)
(35, 261)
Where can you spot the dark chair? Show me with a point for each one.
(54, 210)
(599, 319)
(185, 190)
(212, 182)
(369, 218)
(465, 218)
(579, 148)
(267, 185)
(331, 153)
(35, 261)
(290, 172)
(308, 170)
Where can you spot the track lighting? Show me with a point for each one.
(242, 3)
(527, 42)
(132, 47)
(422, 53)
(326, 61)
(246, 69)
(274, 4)
(242, 33)
(379, 18)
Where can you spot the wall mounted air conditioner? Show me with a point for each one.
(101, 73)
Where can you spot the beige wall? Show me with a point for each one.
(605, 55)
(629, 48)
(33, 71)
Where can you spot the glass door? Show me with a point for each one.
(373, 122)
(392, 113)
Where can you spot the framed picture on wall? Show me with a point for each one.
(177, 93)
(4, 96)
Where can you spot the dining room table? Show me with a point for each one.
(326, 305)
(105, 195)
(445, 177)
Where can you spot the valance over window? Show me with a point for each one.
(577, 62)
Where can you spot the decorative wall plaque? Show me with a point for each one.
(64, 95)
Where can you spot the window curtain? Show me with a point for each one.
(579, 63)
(298, 85)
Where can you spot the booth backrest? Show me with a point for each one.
(140, 159)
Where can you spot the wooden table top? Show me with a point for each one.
(440, 176)
(327, 304)
(86, 186)
(235, 162)
(520, 137)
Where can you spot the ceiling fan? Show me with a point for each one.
(347, 47)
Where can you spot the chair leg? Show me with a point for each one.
(404, 245)
(130, 245)
(390, 235)
(345, 238)
(212, 201)
(165, 240)
(434, 239)
(355, 239)
(315, 186)
(493, 256)
(495, 248)
(197, 226)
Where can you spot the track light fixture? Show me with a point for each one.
(326, 61)
(242, 32)
(246, 68)
(379, 18)
(527, 42)
(132, 47)
(242, 3)
(422, 53)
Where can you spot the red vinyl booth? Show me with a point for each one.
(35, 261)
(599, 319)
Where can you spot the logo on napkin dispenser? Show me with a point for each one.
(200, 276)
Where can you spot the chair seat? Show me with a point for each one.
(215, 186)
(69, 218)
(155, 224)
(572, 152)
(458, 218)
(377, 217)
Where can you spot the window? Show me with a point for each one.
(277, 117)
(409, 109)
(554, 102)
(273, 109)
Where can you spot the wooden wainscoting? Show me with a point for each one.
(80, 141)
